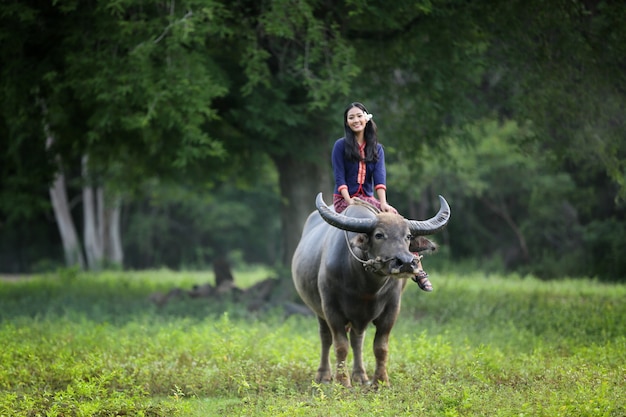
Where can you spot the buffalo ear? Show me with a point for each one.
(422, 245)
(360, 241)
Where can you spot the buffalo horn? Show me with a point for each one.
(343, 222)
(432, 225)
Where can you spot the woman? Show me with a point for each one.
(359, 168)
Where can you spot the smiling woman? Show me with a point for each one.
(359, 168)
(359, 162)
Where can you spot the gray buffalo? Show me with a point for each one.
(351, 269)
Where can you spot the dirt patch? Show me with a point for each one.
(14, 277)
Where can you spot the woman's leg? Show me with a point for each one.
(421, 278)
(339, 203)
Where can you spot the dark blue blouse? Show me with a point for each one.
(347, 172)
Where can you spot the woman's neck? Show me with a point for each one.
(360, 138)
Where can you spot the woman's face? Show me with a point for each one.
(355, 118)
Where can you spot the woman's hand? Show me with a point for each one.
(388, 208)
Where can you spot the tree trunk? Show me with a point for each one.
(113, 238)
(300, 181)
(92, 217)
(102, 237)
(222, 271)
(501, 210)
(60, 205)
(63, 216)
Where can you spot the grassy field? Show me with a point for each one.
(94, 345)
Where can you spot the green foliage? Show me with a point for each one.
(153, 82)
(606, 242)
(86, 344)
(198, 92)
(512, 201)
(188, 227)
(131, 85)
(421, 70)
(295, 44)
(564, 65)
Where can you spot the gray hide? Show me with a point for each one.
(350, 287)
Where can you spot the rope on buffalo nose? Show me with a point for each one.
(371, 265)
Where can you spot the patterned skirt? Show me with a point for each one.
(341, 204)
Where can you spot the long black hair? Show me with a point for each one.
(370, 135)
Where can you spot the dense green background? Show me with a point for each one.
(214, 122)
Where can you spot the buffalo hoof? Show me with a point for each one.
(381, 379)
(360, 378)
(323, 377)
(343, 378)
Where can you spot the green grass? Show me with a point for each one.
(94, 345)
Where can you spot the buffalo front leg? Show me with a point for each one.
(324, 371)
(359, 375)
(381, 344)
(381, 352)
(342, 346)
(384, 323)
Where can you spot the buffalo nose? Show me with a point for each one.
(405, 263)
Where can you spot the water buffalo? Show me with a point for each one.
(351, 270)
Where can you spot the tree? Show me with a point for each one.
(127, 88)
(294, 65)
(563, 65)
(302, 63)
(63, 215)
(513, 206)
(197, 92)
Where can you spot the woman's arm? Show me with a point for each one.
(380, 182)
(339, 169)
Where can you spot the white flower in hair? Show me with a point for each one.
(368, 116)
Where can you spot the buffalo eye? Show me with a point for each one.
(409, 237)
(379, 235)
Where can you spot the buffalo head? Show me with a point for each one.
(384, 239)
